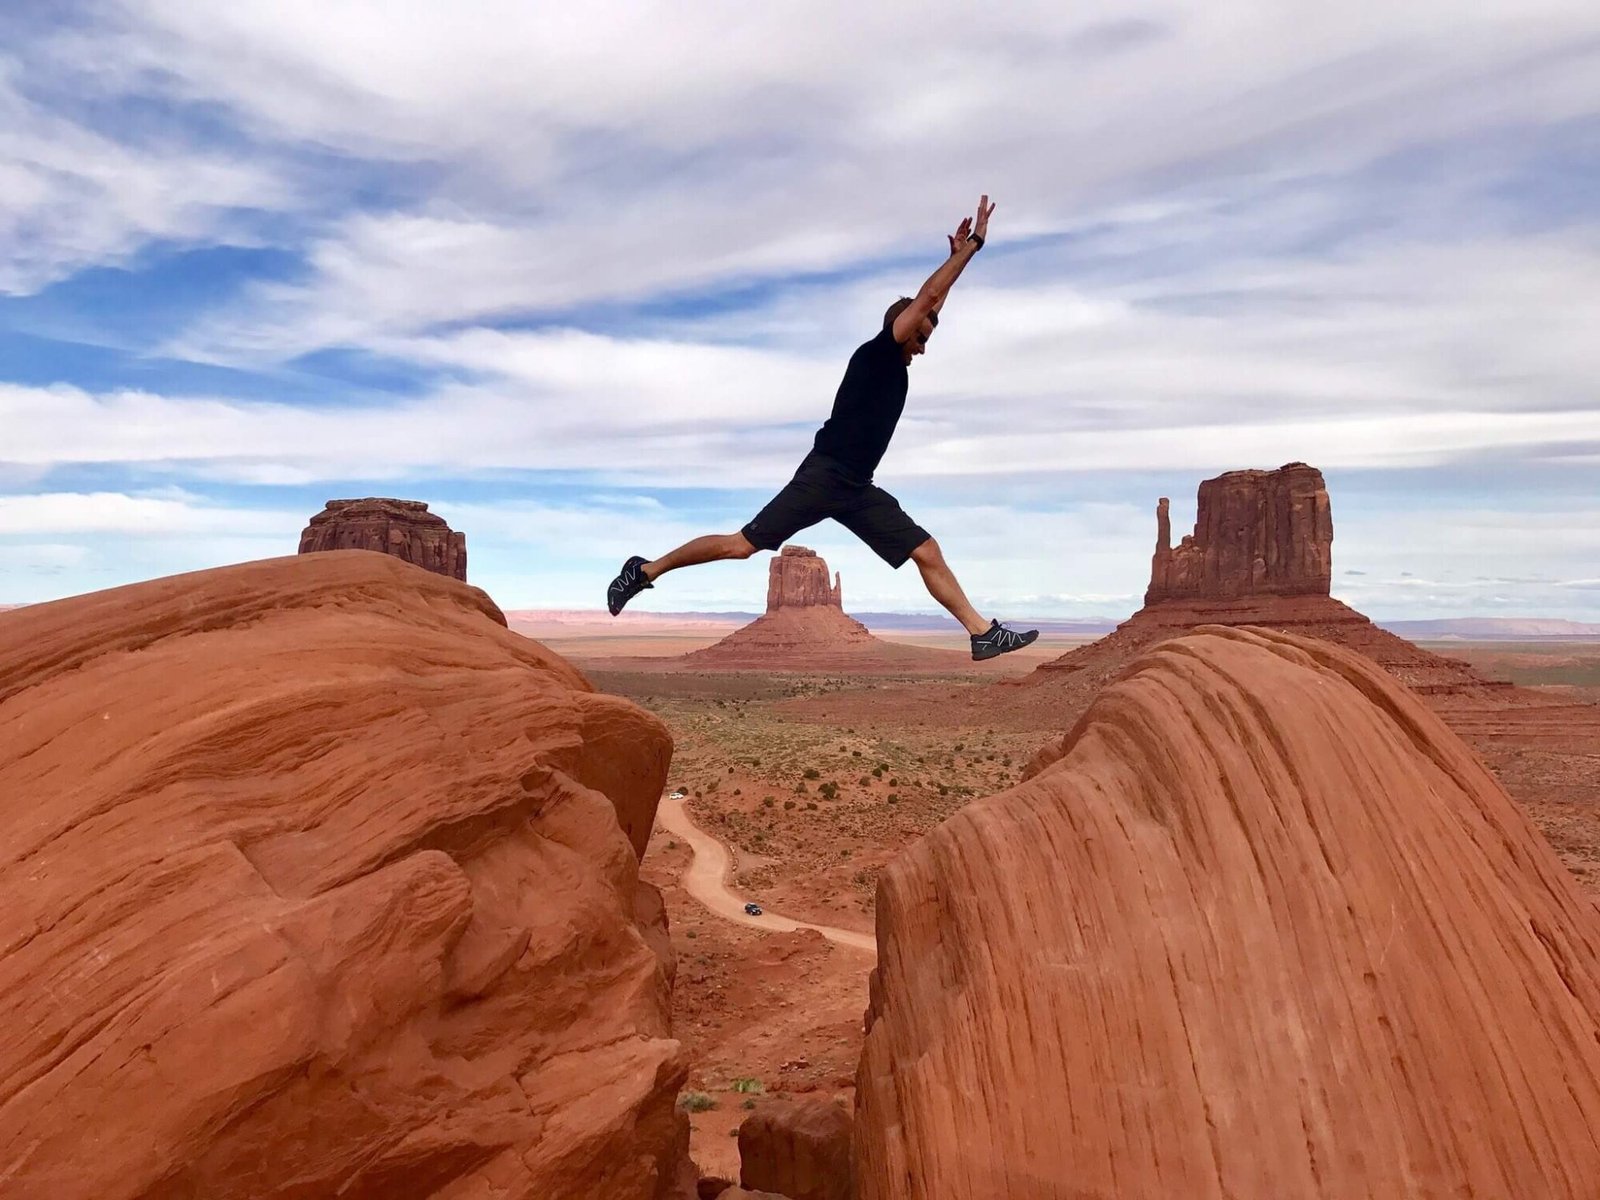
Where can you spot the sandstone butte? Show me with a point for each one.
(805, 628)
(1261, 554)
(1260, 927)
(403, 528)
(317, 881)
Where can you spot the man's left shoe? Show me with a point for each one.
(630, 581)
(998, 640)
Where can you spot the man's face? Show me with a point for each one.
(919, 341)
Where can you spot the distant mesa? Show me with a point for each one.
(805, 629)
(403, 528)
(804, 621)
(1273, 928)
(1261, 554)
(1256, 533)
(798, 578)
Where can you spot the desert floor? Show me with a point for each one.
(815, 782)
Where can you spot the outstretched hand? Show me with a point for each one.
(960, 235)
(981, 228)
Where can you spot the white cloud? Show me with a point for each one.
(649, 149)
(71, 198)
(57, 513)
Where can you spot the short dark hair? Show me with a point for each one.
(898, 307)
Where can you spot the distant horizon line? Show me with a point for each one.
(1557, 626)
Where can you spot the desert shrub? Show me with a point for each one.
(894, 783)
(748, 1086)
(738, 791)
(787, 805)
(878, 772)
(768, 802)
(691, 934)
(696, 1102)
(855, 754)
(943, 790)
(811, 773)
(864, 781)
(893, 798)
(747, 1106)
(712, 786)
(800, 787)
(811, 806)
(829, 790)
(959, 747)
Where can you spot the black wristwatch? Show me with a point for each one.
(972, 237)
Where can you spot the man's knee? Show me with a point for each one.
(740, 546)
(927, 554)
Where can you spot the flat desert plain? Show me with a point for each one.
(814, 781)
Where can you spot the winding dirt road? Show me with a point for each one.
(706, 878)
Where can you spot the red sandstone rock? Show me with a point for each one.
(798, 578)
(805, 628)
(403, 528)
(314, 882)
(1265, 929)
(1256, 533)
(799, 1148)
(1261, 555)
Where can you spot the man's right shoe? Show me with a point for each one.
(630, 581)
(998, 640)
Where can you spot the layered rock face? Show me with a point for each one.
(1256, 533)
(1260, 927)
(1261, 554)
(798, 578)
(403, 528)
(315, 880)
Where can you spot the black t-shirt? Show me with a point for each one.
(867, 406)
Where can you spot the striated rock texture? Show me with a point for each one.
(798, 578)
(403, 528)
(1256, 533)
(317, 881)
(798, 1148)
(805, 628)
(1260, 928)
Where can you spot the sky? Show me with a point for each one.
(585, 278)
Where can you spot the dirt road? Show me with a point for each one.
(706, 878)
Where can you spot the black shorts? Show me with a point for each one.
(824, 487)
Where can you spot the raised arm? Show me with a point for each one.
(966, 242)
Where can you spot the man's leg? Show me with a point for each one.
(942, 585)
(713, 547)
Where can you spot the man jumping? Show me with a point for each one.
(835, 479)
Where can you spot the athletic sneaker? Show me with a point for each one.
(630, 581)
(997, 640)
